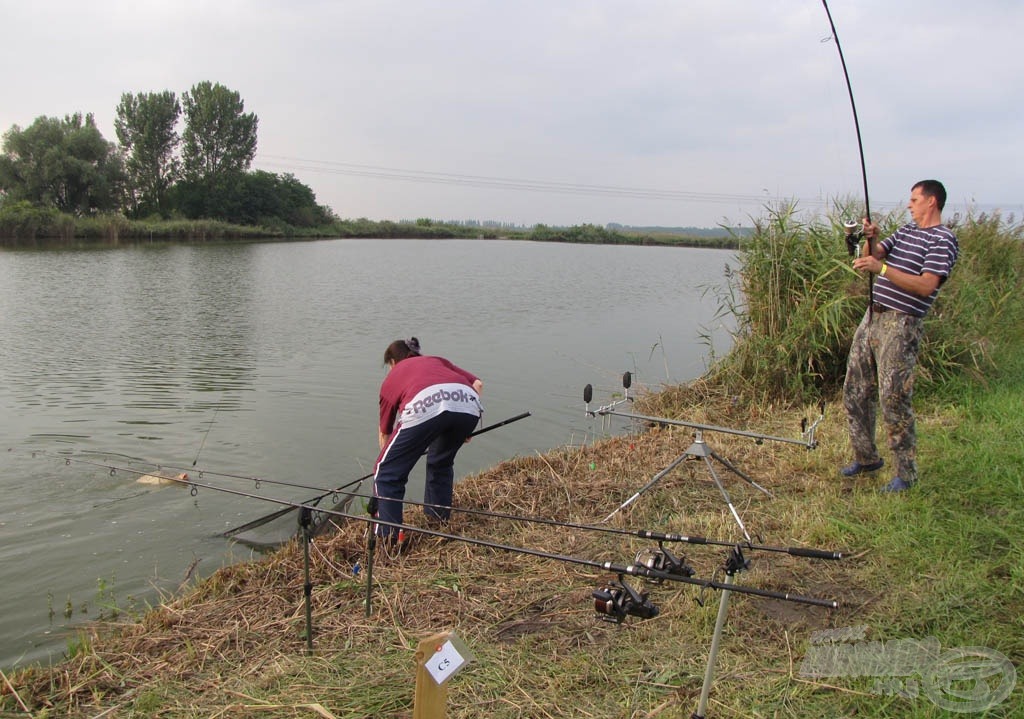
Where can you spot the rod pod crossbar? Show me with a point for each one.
(807, 431)
(808, 441)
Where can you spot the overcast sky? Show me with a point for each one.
(659, 112)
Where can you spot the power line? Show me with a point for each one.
(332, 167)
(509, 183)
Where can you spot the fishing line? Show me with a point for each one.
(258, 481)
(207, 432)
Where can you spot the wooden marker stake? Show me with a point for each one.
(438, 659)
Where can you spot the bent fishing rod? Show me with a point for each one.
(853, 235)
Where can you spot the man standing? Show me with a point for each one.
(909, 267)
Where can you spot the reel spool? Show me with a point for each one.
(615, 601)
(852, 237)
(662, 560)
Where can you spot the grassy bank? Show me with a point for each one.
(941, 564)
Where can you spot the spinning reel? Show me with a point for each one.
(616, 600)
(662, 560)
(853, 237)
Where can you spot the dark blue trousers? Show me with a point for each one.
(441, 438)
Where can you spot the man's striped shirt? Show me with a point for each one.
(916, 250)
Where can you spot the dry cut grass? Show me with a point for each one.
(234, 646)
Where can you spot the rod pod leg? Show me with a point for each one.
(733, 565)
(654, 480)
(709, 671)
(728, 465)
(726, 497)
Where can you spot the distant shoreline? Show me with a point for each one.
(50, 230)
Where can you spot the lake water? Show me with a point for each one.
(264, 360)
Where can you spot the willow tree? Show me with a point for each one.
(65, 164)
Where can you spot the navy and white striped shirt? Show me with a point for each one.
(916, 251)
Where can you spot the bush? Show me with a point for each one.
(25, 222)
(798, 301)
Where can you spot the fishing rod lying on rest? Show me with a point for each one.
(699, 448)
(613, 601)
(631, 569)
(660, 537)
(660, 558)
(617, 600)
(333, 493)
(657, 559)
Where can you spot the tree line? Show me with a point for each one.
(153, 171)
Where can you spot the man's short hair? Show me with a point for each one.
(932, 188)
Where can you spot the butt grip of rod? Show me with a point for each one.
(814, 553)
(814, 601)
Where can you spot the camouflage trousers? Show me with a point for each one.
(880, 370)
